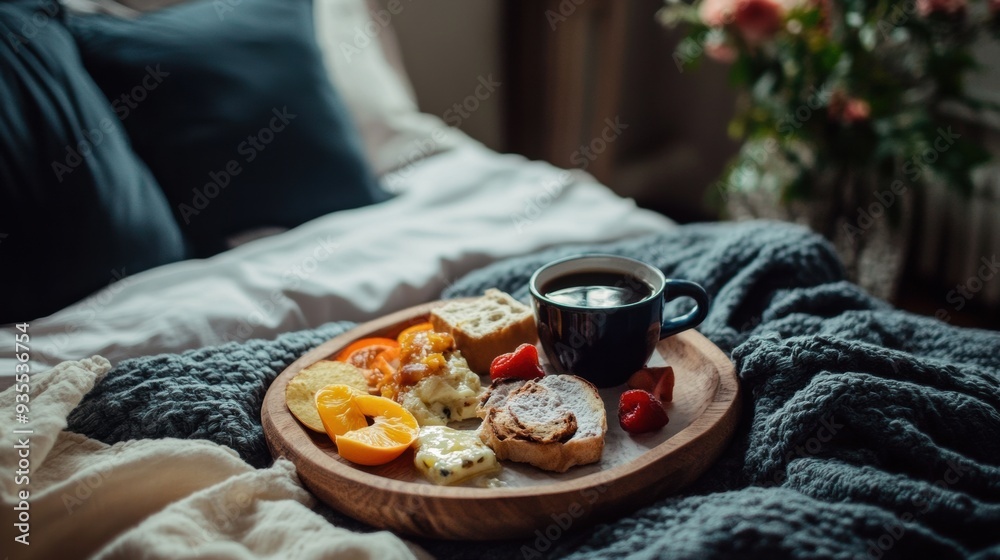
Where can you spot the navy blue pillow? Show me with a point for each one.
(230, 106)
(78, 209)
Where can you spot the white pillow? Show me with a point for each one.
(355, 38)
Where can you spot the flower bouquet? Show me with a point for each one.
(846, 109)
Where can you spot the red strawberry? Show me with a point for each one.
(656, 380)
(640, 412)
(522, 363)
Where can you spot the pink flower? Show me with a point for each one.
(857, 110)
(849, 110)
(717, 13)
(943, 7)
(755, 20)
(759, 20)
(721, 51)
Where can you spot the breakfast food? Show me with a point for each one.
(486, 327)
(553, 422)
(449, 396)
(497, 394)
(448, 456)
(363, 354)
(338, 411)
(657, 380)
(392, 431)
(640, 412)
(522, 363)
(300, 393)
(429, 377)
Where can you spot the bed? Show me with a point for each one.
(866, 432)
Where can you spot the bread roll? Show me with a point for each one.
(486, 327)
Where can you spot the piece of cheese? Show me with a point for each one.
(448, 456)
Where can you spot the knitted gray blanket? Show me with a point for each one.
(868, 432)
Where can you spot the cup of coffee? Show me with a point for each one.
(601, 316)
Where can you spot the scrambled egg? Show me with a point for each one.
(447, 396)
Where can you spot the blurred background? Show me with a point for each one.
(573, 71)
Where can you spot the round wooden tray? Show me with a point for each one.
(632, 472)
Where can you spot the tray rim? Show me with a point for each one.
(721, 414)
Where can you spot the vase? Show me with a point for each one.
(868, 222)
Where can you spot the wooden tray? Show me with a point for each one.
(632, 472)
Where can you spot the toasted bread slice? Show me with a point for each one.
(554, 422)
(497, 393)
(486, 327)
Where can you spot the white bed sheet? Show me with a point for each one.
(456, 211)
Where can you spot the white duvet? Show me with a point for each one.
(455, 211)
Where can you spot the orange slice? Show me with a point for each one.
(362, 353)
(410, 331)
(338, 411)
(392, 431)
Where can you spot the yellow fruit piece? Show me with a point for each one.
(392, 431)
(338, 411)
(300, 393)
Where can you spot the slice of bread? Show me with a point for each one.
(486, 327)
(497, 393)
(554, 422)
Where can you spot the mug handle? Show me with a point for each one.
(693, 318)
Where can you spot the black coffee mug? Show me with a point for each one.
(601, 316)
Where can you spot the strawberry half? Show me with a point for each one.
(522, 363)
(640, 412)
(657, 380)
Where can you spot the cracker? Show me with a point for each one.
(300, 394)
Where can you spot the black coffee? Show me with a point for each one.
(596, 289)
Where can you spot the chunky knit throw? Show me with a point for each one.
(867, 433)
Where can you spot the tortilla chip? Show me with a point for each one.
(300, 394)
